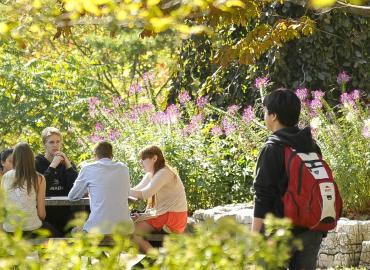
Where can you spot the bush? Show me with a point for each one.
(226, 245)
(214, 151)
(343, 135)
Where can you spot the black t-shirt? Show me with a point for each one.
(59, 180)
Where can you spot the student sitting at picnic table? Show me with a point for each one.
(25, 192)
(162, 187)
(60, 175)
(108, 185)
(6, 157)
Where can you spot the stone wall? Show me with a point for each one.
(347, 245)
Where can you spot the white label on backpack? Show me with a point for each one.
(313, 163)
(328, 200)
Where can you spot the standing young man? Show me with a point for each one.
(108, 185)
(282, 109)
(59, 174)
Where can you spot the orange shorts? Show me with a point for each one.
(175, 221)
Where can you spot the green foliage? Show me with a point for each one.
(226, 245)
(48, 84)
(338, 43)
(215, 169)
(340, 133)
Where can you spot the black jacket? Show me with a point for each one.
(59, 180)
(271, 180)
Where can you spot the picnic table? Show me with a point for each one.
(64, 201)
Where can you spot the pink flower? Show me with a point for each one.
(315, 105)
(117, 101)
(346, 98)
(216, 131)
(202, 101)
(96, 138)
(172, 113)
(148, 77)
(160, 118)
(194, 124)
(184, 97)
(114, 134)
(356, 94)
(233, 109)
(302, 93)
(318, 94)
(93, 102)
(261, 82)
(343, 77)
(228, 126)
(135, 88)
(99, 126)
(248, 114)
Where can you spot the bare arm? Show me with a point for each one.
(40, 197)
(79, 188)
(257, 224)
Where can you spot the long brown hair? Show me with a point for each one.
(151, 151)
(24, 166)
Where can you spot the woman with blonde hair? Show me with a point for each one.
(25, 192)
(165, 192)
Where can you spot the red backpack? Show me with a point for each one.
(312, 199)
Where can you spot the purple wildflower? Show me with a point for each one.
(347, 99)
(216, 131)
(315, 105)
(302, 93)
(160, 118)
(173, 113)
(117, 101)
(135, 88)
(248, 114)
(343, 77)
(318, 94)
(114, 134)
(261, 82)
(194, 124)
(228, 126)
(99, 126)
(356, 94)
(106, 110)
(233, 109)
(366, 129)
(148, 77)
(202, 101)
(184, 97)
(96, 138)
(93, 102)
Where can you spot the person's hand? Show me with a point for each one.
(66, 161)
(134, 216)
(56, 161)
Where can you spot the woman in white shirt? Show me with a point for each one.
(25, 192)
(165, 192)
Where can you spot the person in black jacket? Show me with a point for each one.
(60, 174)
(282, 109)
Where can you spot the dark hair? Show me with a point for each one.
(24, 166)
(285, 104)
(151, 151)
(4, 155)
(104, 149)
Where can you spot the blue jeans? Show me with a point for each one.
(306, 259)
